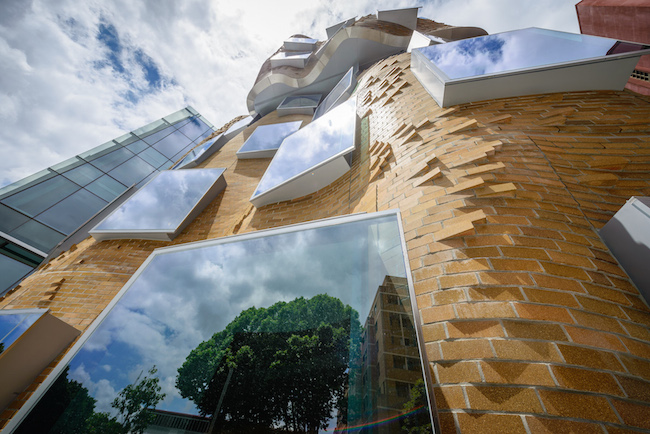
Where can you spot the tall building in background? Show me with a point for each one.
(418, 228)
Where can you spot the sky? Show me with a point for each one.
(74, 75)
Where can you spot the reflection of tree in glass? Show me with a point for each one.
(417, 421)
(67, 408)
(281, 367)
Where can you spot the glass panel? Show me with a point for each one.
(163, 203)
(326, 137)
(67, 164)
(153, 138)
(10, 219)
(183, 151)
(83, 175)
(137, 147)
(110, 161)
(197, 152)
(11, 272)
(12, 325)
(291, 55)
(178, 116)
(266, 137)
(26, 182)
(281, 332)
(340, 93)
(166, 166)
(151, 128)
(519, 49)
(40, 197)
(106, 187)
(300, 101)
(99, 151)
(172, 144)
(194, 128)
(132, 172)
(239, 124)
(153, 157)
(73, 211)
(126, 139)
(37, 235)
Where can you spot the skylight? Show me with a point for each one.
(522, 62)
(311, 158)
(163, 207)
(312, 315)
(266, 140)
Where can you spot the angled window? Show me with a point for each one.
(266, 140)
(284, 315)
(311, 158)
(300, 44)
(339, 94)
(523, 62)
(299, 105)
(199, 154)
(297, 59)
(237, 127)
(163, 207)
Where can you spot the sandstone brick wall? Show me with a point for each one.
(530, 323)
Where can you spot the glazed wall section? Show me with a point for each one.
(530, 323)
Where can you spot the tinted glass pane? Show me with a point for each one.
(67, 164)
(153, 157)
(239, 124)
(67, 215)
(15, 325)
(37, 235)
(137, 147)
(11, 271)
(197, 152)
(40, 197)
(300, 101)
(326, 137)
(163, 203)
(172, 144)
(151, 128)
(17, 186)
(518, 49)
(300, 313)
(340, 93)
(100, 150)
(183, 151)
(153, 138)
(110, 161)
(194, 128)
(10, 219)
(132, 172)
(106, 187)
(178, 116)
(126, 139)
(267, 137)
(83, 175)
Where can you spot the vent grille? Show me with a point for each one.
(640, 75)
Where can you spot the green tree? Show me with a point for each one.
(286, 365)
(418, 422)
(135, 400)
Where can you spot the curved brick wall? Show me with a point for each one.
(530, 324)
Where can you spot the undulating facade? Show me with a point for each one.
(413, 257)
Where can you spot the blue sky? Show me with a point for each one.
(74, 75)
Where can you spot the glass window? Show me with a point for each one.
(132, 171)
(137, 147)
(14, 323)
(178, 116)
(152, 128)
(110, 161)
(267, 138)
(194, 128)
(37, 235)
(289, 308)
(106, 187)
(10, 219)
(73, 211)
(183, 151)
(200, 153)
(67, 164)
(83, 175)
(161, 206)
(153, 157)
(153, 138)
(11, 272)
(339, 94)
(38, 198)
(26, 182)
(100, 150)
(323, 140)
(239, 125)
(172, 144)
(310, 101)
(126, 139)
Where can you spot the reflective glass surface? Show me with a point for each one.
(153, 157)
(100, 150)
(106, 187)
(330, 135)
(72, 212)
(39, 197)
(291, 55)
(194, 128)
(37, 235)
(171, 144)
(137, 146)
(151, 128)
(339, 94)
(163, 203)
(239, 124)
(83, 175)
(132, 171)
(303, 40)
(197, 152)
(300, 101)
(153, 138)
(266, 137)
(518, 49)
(10, 219)
(281, 332)
(24, 183)
(110, 161)
(11, 271)
(14, 324)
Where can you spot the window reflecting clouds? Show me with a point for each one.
(268, 137)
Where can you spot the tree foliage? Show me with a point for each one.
(286, 365)
(134, 401)
(418, 422)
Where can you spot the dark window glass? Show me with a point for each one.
(132, 172)
(11, 271)
(83, 175)
(73, 211)
(37, 235)
(153, 157)
(106, 187)
(110, 161)
(137, 147)
(40, 197)
(10, 219)
(155, 137)
(172, 144)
